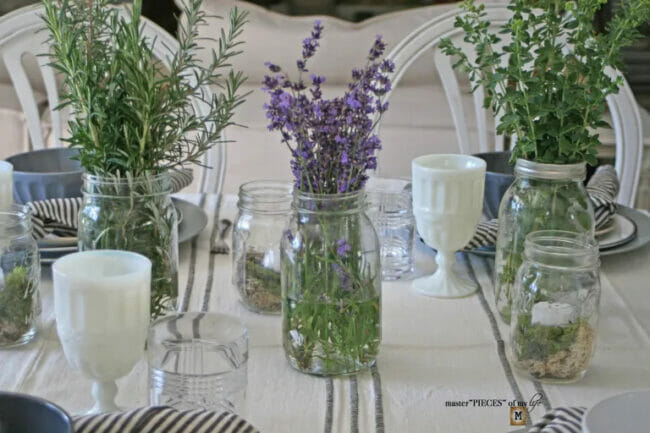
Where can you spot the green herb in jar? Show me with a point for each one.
(262, 285)
(16, 305)
(560, 352)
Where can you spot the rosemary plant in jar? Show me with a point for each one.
(548, 85)
(555, 306)
(134, 120)
(20, 273)
(264, 209)
(331, 278)
(135, 215)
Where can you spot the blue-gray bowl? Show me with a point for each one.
(20, 413)
(45, 174)
(499, 175)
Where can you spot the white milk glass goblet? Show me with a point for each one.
(101, 304)
(447, 204)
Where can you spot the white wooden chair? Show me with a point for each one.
(22, 33)
(626, 120)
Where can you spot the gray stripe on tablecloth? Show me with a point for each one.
(501, 349)
(329, 404)
(354, 405)
(379, 401)
(538, 386)
(196, 325)
(210, 279)
(540, 389)
(192, 269)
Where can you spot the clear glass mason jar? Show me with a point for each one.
(542, 197)
(264, 210)
(20, 274)
(331, 285)
(135, 214)
(555, 306)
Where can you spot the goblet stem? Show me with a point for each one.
(444, 283)
(104, 394)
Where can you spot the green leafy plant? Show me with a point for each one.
(131, 115)
(550, 82)
(548, 86)
(16, 304)
(133, 120)
(553, 352)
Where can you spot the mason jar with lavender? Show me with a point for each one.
(264, 209)
(331, 273)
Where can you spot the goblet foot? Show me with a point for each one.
(104, 394)
(444, 283)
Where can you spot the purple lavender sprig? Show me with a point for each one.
(331, 140)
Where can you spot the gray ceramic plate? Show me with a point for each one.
(631, 242)
(621, 413)
(192, 223)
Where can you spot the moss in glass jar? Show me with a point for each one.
(554, 352)
(262, 285)
(16, 305)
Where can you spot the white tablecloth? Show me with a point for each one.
(433, 351)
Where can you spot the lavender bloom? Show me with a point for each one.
(331, 140)
(342, 247)
(344, 278)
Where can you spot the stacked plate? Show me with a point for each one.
(52, 248)
(191, 221)
(628, 230)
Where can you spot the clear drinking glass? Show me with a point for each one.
(198, 361)
(390, 209)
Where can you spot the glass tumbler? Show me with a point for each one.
(390, 209)
(198, 361)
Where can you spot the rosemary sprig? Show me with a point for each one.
(130, 113)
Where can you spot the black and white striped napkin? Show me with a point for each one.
(561, 420)
(58, 216)
(163, 419)
(602, 189)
